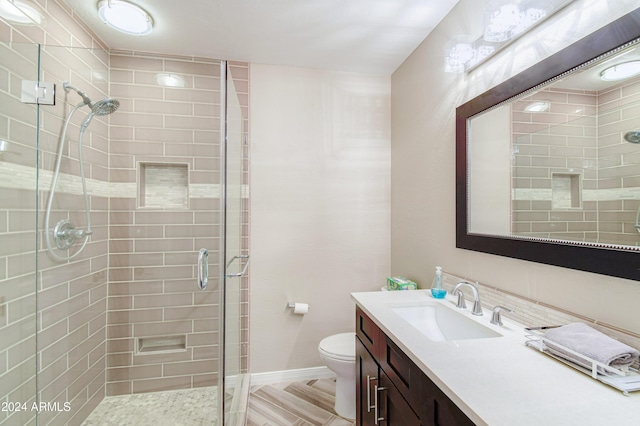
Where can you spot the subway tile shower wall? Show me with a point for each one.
(135, 278)
(573, 174)
(157, 224)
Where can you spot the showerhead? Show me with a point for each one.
(104, 106)
(632, 136)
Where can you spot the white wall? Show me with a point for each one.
(320, 206)
(423, 166)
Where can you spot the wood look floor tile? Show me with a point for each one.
(313, 396)
(301, 408)
(326, 386)
(338, 421)
(265, 413)
(295, 404)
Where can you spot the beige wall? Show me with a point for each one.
(423, 167)
(319, 206)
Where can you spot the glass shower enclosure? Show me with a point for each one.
(107, 300)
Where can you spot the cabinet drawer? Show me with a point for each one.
(368, 332)
(402, 372)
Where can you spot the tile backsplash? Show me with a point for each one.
(534, 313)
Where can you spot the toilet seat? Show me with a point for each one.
(339, 346)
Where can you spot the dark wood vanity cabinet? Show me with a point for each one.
(391, 389)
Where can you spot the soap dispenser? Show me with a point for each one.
(437, 291)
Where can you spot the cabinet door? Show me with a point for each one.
(439, 410)
(393, 409)
(367, 374)
(404, 374)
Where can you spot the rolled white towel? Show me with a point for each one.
(589, 342)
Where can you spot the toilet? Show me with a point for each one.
(338, 352)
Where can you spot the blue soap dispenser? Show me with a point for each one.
(437, 291)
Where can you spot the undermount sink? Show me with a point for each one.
(440, 323)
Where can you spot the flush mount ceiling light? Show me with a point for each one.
(21, 13)
(170, 80)
(125, 17)
(505, 21)
(621, 71)
(538, 106)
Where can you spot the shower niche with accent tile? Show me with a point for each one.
(566, 191)
(163, 186)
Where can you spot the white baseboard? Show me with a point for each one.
(291, 375)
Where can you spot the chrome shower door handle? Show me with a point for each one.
(244, 269)
(203, 268)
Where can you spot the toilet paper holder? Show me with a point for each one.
(298, 308)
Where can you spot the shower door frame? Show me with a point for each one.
(231, 413)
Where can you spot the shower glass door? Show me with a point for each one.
(234, 277)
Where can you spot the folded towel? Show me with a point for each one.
(589, 342)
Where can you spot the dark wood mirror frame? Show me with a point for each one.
(611, 261)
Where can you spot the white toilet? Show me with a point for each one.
(338, 352)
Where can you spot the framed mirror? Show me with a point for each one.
(548, 162)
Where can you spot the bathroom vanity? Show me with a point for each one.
(410, 375)
(391, 388)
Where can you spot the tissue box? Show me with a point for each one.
(400, 283)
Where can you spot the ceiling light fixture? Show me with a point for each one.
(505, 21)
(170, 80)
(538, 106)
(621, 71)
(21, 13)
(125, 17)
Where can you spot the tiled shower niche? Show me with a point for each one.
(163, 185)
(566, 191)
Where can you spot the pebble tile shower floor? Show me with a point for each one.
(303, 403)
(188, 407)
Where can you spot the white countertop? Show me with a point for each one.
(500, 381)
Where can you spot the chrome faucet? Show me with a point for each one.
(477, 308)
(495, 316)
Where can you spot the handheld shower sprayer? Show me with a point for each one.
(65, 233)
(68, 87)
(633, 136)
(104, 106)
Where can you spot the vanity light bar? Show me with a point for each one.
(505, 22)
